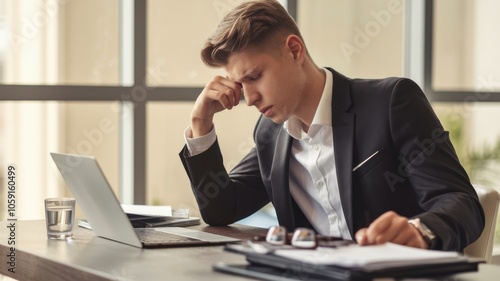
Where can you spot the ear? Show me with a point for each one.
(296, 48)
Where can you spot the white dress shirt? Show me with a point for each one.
(313, 176)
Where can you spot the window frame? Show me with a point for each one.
(137, 95)
(134, 98)
(456, 96)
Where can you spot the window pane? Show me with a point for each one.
(177, 31)
(466, 44)
(476, 141)
(59, 42)
(29, 131)
(168, 183)
(358, 38)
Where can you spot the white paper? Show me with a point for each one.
(374, 257)
(147, 210)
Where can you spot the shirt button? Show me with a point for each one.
(320, 183)
(332, 218)
(315, 147)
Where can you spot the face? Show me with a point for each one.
(272, 81)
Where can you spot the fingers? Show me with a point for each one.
(224, 90)
(361, 237)
(237, 89)
(391, 227)
(219, 94)
(385, 228)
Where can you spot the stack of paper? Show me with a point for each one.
(157, 216)
(348, 262)
(154, 216)
(147, 210)
(371, 258)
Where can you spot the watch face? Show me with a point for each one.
(422, 228)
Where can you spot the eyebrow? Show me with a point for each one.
(250, 73)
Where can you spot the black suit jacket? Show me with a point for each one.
(413, 169)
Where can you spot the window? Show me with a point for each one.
(359, 38)
(465, 47)
(463, 80)
(54, 55)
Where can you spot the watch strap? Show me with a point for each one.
(426, 233)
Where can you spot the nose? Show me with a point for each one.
(251, 96)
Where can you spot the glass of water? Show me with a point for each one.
(59, 217)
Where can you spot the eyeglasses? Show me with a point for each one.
(302, 237)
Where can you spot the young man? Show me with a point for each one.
(362, 159)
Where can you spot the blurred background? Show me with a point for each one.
(117, 80)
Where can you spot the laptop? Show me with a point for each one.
(103, 211)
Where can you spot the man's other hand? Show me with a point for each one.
(391, 227)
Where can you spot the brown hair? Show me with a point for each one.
(252, 23)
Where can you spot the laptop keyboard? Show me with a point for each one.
(150, 235)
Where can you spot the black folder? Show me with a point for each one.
(268, 266)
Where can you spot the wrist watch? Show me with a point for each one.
(426, 233)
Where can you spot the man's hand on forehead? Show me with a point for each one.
(241, 85)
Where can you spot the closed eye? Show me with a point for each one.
(254, 78)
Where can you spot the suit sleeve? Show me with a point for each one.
(224, 198)
(429, 162)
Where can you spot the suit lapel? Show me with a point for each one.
(280, 180)
(343, 139)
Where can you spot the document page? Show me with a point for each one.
(147, 210)
(374, 257)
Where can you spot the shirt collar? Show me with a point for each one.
(322, 117)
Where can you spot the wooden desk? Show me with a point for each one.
(87, 257)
